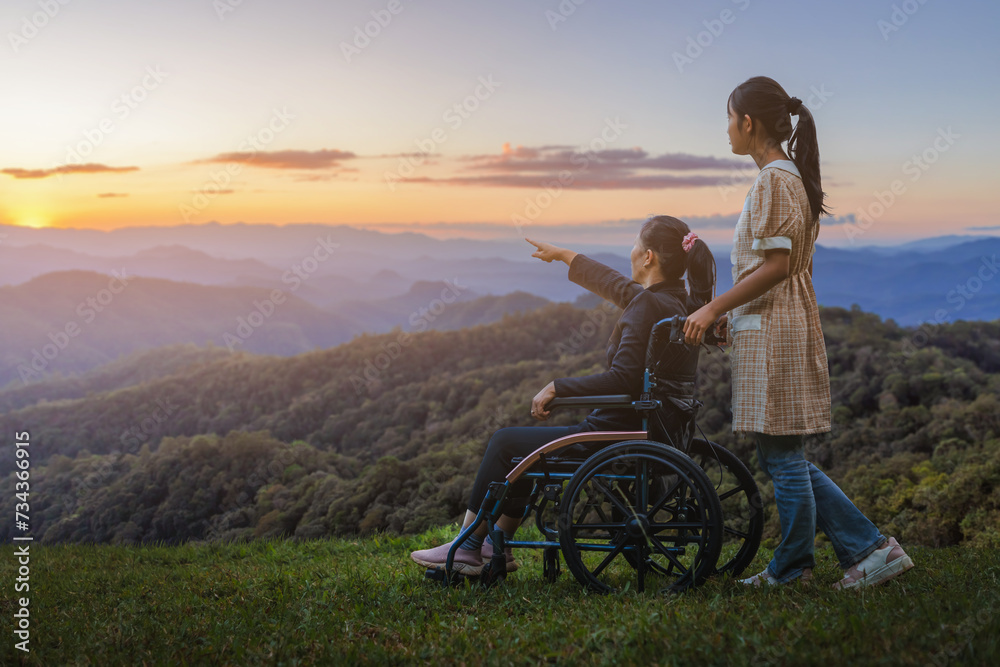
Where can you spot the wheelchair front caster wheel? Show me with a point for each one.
(492, 575)
(550, 566)
(495, 570)
(439, 576)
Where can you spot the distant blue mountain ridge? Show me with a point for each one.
(940, 279)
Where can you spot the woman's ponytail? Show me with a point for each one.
(678, 250)
(701, 273)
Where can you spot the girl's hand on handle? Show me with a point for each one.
(698, 323)
(542, 399)
(721, 326)
(548, 252)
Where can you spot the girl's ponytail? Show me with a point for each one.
(803, 148)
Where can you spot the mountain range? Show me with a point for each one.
(200, 284)
(71, 321)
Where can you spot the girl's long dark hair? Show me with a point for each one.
(663, 235)
(767, 103)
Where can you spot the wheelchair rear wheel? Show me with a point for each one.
(650, 504)
(742, 509)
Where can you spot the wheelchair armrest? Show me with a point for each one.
(592, 402)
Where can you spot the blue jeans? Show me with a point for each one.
(806, 497)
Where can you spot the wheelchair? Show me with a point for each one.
(655, 507)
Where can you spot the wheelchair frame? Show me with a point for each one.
(685, 509)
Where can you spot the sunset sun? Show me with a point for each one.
(33, 219)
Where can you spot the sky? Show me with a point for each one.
(569, 120)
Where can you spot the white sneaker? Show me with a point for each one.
(880, 565)
(765, 577)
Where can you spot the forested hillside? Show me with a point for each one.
(386, 432)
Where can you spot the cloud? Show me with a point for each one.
(580, 182)
(986, 228)
(108, 195)
(611, 169)
(717, 221)
(838, 220)
(89, 168)
(287, 159)
(697, 223)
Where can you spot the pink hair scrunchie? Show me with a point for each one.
(688, 241)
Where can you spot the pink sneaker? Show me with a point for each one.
(880, 565)
(487, 554)
(764, 577)
(469, 563)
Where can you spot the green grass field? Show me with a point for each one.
(364, 602)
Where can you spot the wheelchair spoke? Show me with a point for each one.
(641, 485)
(592, 503)
(666, 496)
(692, 538)
(738, 533)
(666, 552)
(678, 525)
(731, 492)
(597, 526)
(607, 559)
(627, 511)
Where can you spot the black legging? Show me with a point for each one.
(506, 444)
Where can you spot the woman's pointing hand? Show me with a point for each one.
(548, 252)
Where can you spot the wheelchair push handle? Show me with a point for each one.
(671, 330)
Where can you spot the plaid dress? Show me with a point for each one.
(781, 383)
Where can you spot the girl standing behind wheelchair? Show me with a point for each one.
(665, 249)
(781, 384)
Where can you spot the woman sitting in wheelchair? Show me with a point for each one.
(665, 249)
